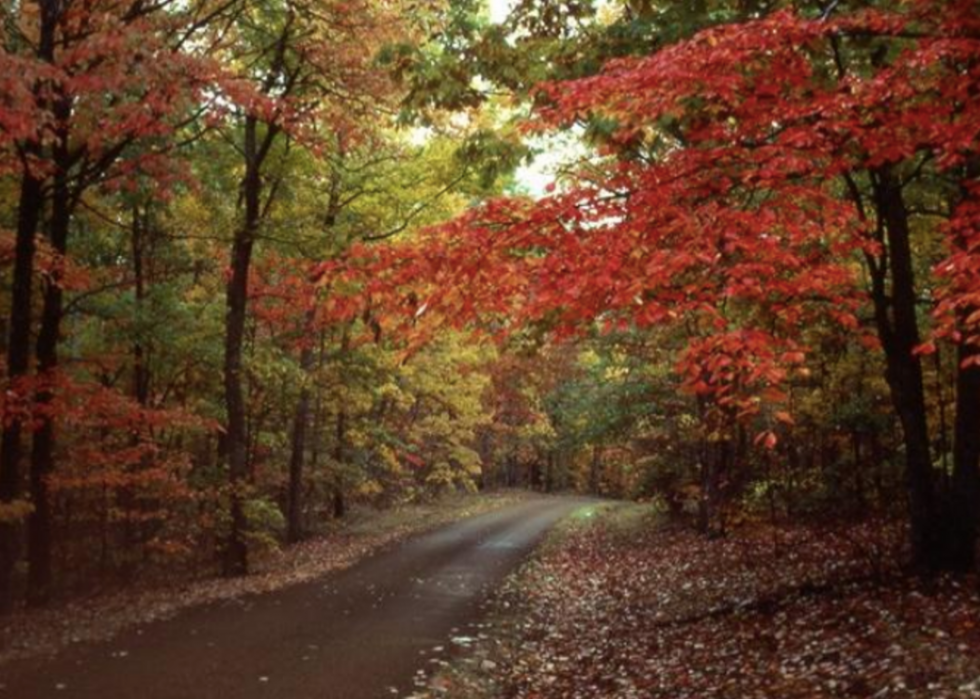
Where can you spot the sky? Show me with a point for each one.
(553, 151)
(499, 9)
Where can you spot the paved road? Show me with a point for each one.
(358, 634)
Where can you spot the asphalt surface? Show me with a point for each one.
(362, 633)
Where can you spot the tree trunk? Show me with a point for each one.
(339, 503)
(294, 505)
(236, 548)
(134, 528)
(899, 333)
(860, 501)
(340, 447)
(964, 498)
(18, 359)
(339, 454)
(716, 466)
(43, 448)
(19, 343)
(706, 476)
(595, 471)
(961, 530)
(141, 370)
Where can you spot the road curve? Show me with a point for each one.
(362, 633)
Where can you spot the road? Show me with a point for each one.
(362, 633)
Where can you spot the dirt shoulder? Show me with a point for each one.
(619, 604)
(29, 633)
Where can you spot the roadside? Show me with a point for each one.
(30, 633)
(619, 604)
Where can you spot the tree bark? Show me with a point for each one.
(595, 471)
(298, 454)
(141, 370)
(319, 414)
(236, 548)
(340, 447)
(339, 502)
(18, 359)
(255, 151)
(899, 333)
(19, 343)
(134, 528)
(716, 465)
(964, 500)
(45, 437)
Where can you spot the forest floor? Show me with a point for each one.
(100, 616)
(619, 603)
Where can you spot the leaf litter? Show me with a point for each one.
(624, 605)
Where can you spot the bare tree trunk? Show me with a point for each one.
(135, 534)
(298, 454)
(236, 548)
(19, 343)
(339, 502)
(18, 359)
(964, 501)
(43, 448)
(595, 471)
(340, 447)
(899, 333)
(141, 370)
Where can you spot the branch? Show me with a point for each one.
(829, 10)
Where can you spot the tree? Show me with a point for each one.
(864, 121)
(746, 171)
(140, 144)
(70, 57)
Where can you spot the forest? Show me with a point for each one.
(264, 262)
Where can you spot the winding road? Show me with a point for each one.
(362, 633)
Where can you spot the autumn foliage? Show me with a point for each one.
(751, 182)
(240, 297)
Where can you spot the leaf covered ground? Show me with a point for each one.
(100, 616)
(620, 604)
